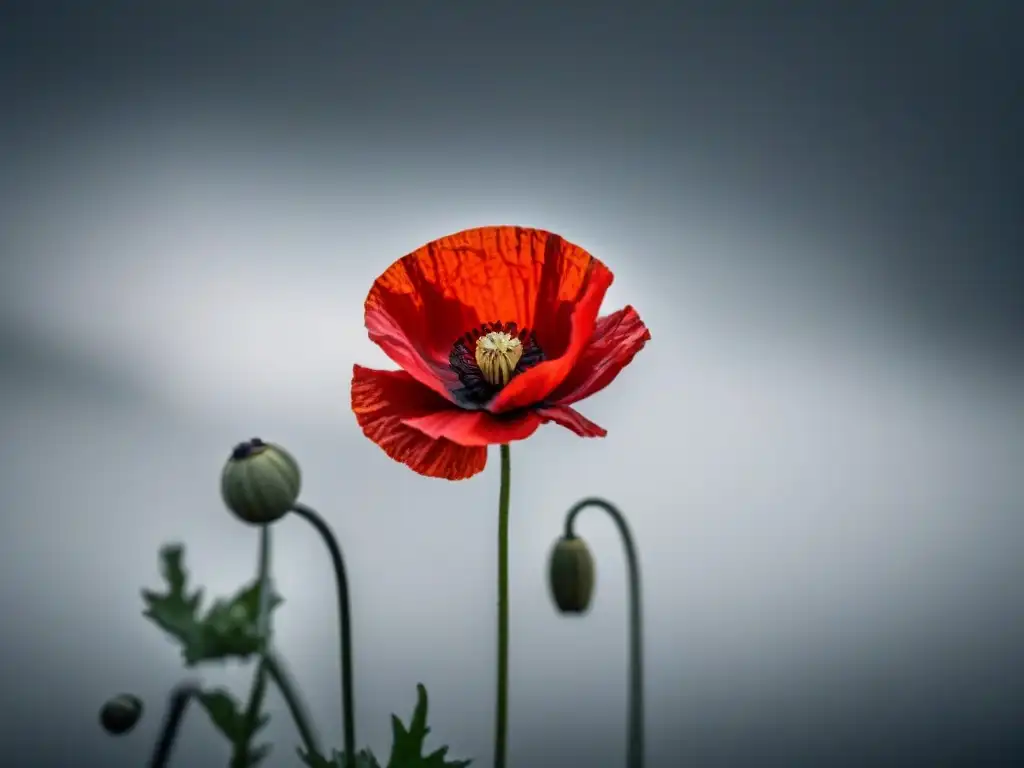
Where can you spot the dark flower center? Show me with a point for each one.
(487, 358)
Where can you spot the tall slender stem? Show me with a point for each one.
(345, 626)
(240, 757)
(501, 712)
(272, 666)
(180, 697)
(263, 574)
(240, 751)
(635, 753)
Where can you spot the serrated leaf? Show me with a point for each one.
(227, 715)
(175, 611)
(407, 745)
(406, 749)
(228, 630)
(229, 718)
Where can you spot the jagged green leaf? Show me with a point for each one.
(406, 748)
(227, 715)
(174, 611)
(229, 629)
(407, 744)
(230, 720)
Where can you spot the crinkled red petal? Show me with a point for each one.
(475, 428)
(572, 419)
(615, 342)
(387, 326)
(426, 300)
(382, 400)
(534, 386)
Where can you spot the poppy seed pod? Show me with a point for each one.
(120, 714)
(571, 575)
(260, 482)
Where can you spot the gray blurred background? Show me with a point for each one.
(817, 209)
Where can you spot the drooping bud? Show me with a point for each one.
(120, 714)
(260, 482)
(571, 575)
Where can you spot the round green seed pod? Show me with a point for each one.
(260, 482)
(571, 575)
(120, 714)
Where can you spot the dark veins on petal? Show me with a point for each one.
(476, 391)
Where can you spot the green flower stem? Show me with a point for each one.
(263, 573)
(240, 753)
(275, 669)
(179, 699)
(501, 712)
(240, 757)
(259, 681)
(345, 627)
(271, 665)
(635, 753)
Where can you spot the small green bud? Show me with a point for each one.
(571, 575)
(120, 714)
(260, 482)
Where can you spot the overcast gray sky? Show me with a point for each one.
(816, 211)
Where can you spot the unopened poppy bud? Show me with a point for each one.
(260, 482)
(571, 575)
(120, 714)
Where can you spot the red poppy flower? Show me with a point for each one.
(496, 331)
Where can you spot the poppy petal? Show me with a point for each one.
(382, 399)
(475, 428)
(431, 297)
(533, 386)
(572, 419)
(615, 342)
(386, 325)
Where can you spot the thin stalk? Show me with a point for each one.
(635, 750)
(276, 671)
(180, 697)
(240, 756)
(345, 625)
(259, 681)
(501, 711)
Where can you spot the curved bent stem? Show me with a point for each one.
(501, 714)
(276, 671)
(345, 626)
(635, 753)
(179, 699)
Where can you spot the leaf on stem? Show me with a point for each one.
(228, 629)
(407, 746)
(227, 716)
(406, 749)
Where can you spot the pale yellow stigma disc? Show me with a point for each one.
(497, 354)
